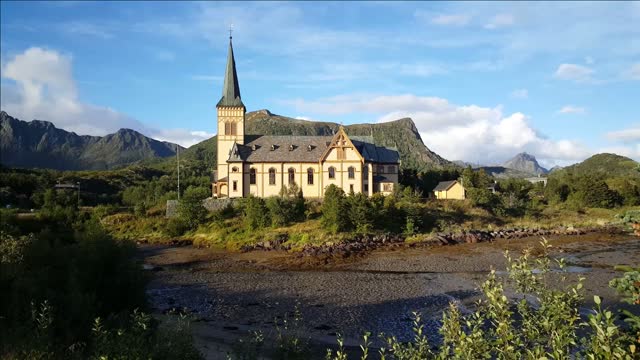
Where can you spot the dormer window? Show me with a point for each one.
(273, 147)
(309, 147)
(254, 147)
(291, 148)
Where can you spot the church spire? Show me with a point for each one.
(231, 88)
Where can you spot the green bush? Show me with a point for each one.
(255, 213)
(82, 274)
(190, 209)
(334, 210)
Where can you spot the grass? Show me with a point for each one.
(438, 216)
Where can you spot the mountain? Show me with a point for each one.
(605, 165)
(401, 134)
(526, 163)
(39, 144)
(501, 172)
(555, 168)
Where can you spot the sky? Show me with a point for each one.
(482, 81)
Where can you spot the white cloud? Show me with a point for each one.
(457, 132)
(570, 109)
(183, 137)
(43, 88)
(499, 21)
(634, 72)
(451, 19)
(631, 135)
(574, 72)
(520, 94)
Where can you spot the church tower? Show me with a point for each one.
(231, 113)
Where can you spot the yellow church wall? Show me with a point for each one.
(262, 188)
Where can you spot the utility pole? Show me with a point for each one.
(178, 156)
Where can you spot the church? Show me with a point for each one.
(261, 165)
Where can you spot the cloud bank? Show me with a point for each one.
(41, 86)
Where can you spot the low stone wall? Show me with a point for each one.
(172, 208)
(213, 204)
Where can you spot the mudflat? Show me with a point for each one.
(232, 294)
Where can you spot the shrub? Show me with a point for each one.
(176, 227)
(334, 208)
(360, 212)
(256, 213)
(190, 209)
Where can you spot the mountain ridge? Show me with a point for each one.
(40, 144)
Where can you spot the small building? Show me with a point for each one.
(538, 179)
(450, 190)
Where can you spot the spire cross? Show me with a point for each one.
(230, 30)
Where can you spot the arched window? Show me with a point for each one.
(272, 176)
(391, 169)
(234, 169)
(252, 176)
(292, 176)
(352, 172)
(332, 172)
(365, 171)
(310, 176)
(380, 169)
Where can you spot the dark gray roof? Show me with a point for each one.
(278, 148)
(231, 87)
(374, 153)
(444, 185)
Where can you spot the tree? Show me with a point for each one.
(190, 210)
(334, 209)
(361, 213)
(256, 213)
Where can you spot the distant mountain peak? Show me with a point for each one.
(41, 144)
(526, 163)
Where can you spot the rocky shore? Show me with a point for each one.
(362, 244)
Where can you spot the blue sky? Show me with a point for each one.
(482, 81)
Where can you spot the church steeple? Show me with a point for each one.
(231, 88)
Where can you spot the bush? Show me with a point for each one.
(81, 277)
(360, 212)
(334, 209)
(176, 227)
(190, 210)
(256, 213)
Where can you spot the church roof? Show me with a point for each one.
(279, 148)
(231, 87)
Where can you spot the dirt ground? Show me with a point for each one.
(232, 294)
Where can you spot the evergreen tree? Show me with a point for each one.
(334, 210)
